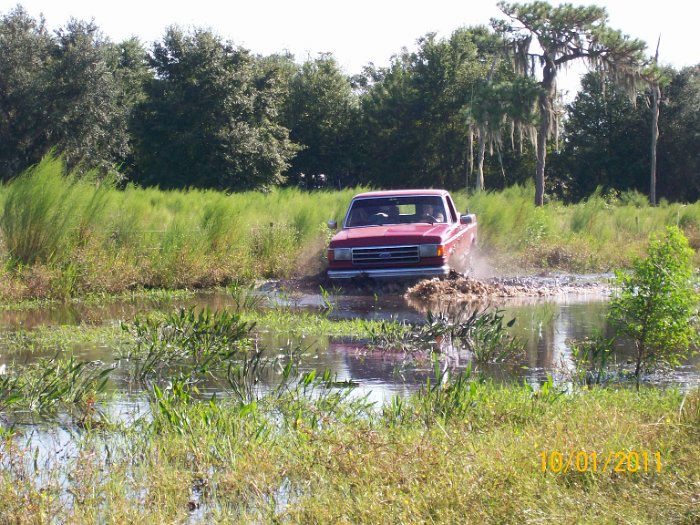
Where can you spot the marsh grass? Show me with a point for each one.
(304, 449)
(62, 338)
(124, 338)
(594, 361)
(60, 235)
(199, 341)
(597, 234)
(65, 237)
(460, 450)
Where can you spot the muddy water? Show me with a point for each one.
(546, 326)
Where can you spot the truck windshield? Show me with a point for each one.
(377, 211)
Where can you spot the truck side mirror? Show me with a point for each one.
(332, 225)
(468, 218)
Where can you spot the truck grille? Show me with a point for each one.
(385, 254)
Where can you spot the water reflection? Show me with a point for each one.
(546, 326)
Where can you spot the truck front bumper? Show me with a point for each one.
(389, 273)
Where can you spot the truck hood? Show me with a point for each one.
(392, 235)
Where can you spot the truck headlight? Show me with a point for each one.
(431, 250)
(342, 254)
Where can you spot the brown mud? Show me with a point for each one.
(460, 288)
(456, 287)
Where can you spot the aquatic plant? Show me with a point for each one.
(448, 396)
(483, 333)
(244, 296)
(592, 359)
(50, 386)
(198, 339)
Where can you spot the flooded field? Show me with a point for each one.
(238, 444)
(545, 323)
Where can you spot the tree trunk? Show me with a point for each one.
(640, 356)
(482, 137)
(480, 159)
(469, 168)
(656, 95)
(546, 104)
(541, 159)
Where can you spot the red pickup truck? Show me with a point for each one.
(401, 233)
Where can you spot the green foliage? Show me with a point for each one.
(321, 113)
(51, 386)
(197, 111)
(344, 461)
(689, 413)
(557, 36)
(592, 359)
(270, 246)
(607, 142)
(58, 92)
(45, 215)
(448, 397)
(244, 296)
(418, 114)
(210, 116)
(656, 302)
(59, 235)
(679, 127)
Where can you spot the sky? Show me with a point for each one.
(357, 31)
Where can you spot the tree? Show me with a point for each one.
(24, 79)
(552, 38)
(87, 120)
(210, 118)
(679, 137)
(604, 140)
(56, 92)
(128, 62)
(320, 111)
(416, 112)
(499, 107)
(655, 304)
(655, 86)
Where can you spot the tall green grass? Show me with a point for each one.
(45, 215)
(597, 234)
(62, 236)
(112, 240)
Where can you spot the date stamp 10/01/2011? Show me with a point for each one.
(591, 461)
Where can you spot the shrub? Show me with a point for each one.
(655, 304)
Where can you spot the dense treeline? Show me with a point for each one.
(194, 110)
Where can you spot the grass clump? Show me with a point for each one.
(50, 387)
(201, 341)
(46, 215)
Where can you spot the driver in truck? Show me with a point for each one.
(432, 213)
